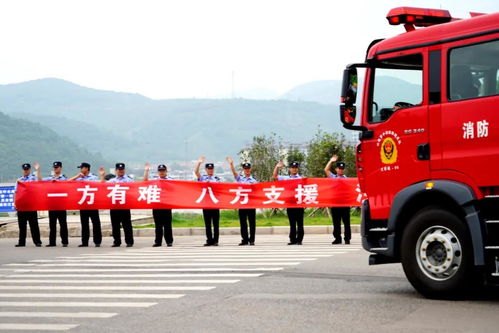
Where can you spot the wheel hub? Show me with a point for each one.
(438, 252)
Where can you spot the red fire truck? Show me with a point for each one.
(428, 157)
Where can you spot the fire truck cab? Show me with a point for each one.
(428, 157)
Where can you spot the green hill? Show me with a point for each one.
(141, 129)
(24, 141)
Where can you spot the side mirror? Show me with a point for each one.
(348, 111)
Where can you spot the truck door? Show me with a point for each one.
(470, 112)
(395, 149)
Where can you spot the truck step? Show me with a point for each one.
(492, 196)
(381, 248)
(491, 221)
(386, 229)
(492, 248)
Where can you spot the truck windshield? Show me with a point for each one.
(397, 84)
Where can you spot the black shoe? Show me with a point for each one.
(64, 245)
(38, 245)
(156, 245)
(347, 242)
(207, 244)
(243, 243)
(50, 245)
(252, 243)
(298, 243)
(129, 245)
(336, 241)
(215, 244)
(169, 244)
(20, 245)
(116, 245)
(291, 243)
(83, 245)
(97, 245)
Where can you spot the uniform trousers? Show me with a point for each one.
(60, 215)
(296, 231)
(211, 216)
(163, 225)
(85, 216)
(341, 213)
(22, 219)
(122, 217)
(247, 216)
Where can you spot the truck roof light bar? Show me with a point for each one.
(419, 17)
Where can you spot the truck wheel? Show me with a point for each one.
(437, 255)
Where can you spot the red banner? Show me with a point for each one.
(76, 195)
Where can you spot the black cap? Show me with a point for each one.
(57, 164)
(209, 166)
(161, 167)
(246, 165)
(26, 166)
(294, 164)
(83, 165)
(120, 166)
(340, 165)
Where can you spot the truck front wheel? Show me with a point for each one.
(437, 254)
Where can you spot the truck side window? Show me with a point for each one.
(397, 84)
(473, 71)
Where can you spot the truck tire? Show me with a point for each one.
(437, 255)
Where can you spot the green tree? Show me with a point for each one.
(263, 154)
(324, 145)
(294, 154)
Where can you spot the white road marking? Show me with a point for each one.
(36, 327)
(136, 275)
(52, 281)
(58, 314)
(79, 304)
(170, 264)
(105, 288)
(187, 269)
(74, 295)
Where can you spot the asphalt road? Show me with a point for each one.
(270, 287)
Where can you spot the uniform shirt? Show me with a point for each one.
(333, 175)
(89, 178)
(160, 178)
(288, 177)
(212, 179)
(50, 178)
(124, 179)
(246, 180)
(29, 178)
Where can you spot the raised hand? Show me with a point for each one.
(201, 159)
(230, 160)
(334, 158)
(147, 167)
(280, 164)
(102, 171)
(36, 165)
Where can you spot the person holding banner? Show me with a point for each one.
(120, 217)
(339, 213)
(295, 215)
(55, 215)
(210, 216)
(248, 215)
(90, 214)
(162, 217)
(31, 217)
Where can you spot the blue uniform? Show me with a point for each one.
(31, 217)
(121, 217)
(87, 215)
(338, 214)
(162, 221)
(288, 177)
(51, 178)
(295, 217)
(211, 215)
(247, 216)
(246, 180)
(212, 179)
(89, 178)
(122, 179)
(57, 215)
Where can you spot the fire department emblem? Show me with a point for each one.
(388, 151)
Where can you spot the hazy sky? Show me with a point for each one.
(190, 48)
